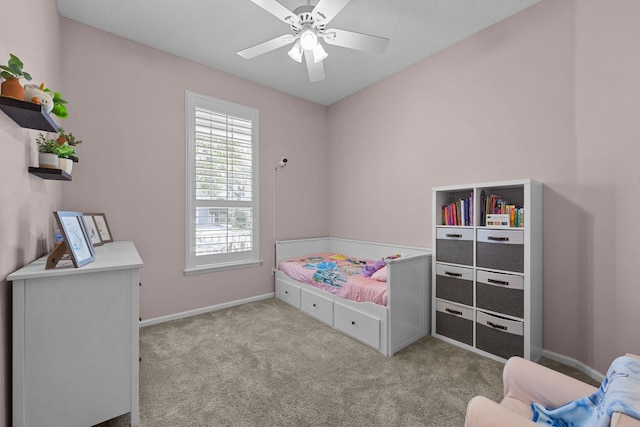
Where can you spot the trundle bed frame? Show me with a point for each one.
(405, 319)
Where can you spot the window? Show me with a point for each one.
(222, 185)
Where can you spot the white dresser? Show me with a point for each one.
(75, 340)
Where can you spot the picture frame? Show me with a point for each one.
(76, 240)
(92, 230)
(100, 220)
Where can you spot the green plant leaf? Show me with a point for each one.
(60, 111)
(26, 76)
(15, 60)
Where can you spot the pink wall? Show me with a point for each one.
(608, 133)
(26, 201)
(548, 94)
(128, 106)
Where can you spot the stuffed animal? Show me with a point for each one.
(368, 270)
(37, 95)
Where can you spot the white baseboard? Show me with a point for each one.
(574, 364)
(203, 310)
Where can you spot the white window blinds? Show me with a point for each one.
(222, 213)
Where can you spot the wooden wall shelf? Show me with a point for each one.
(46, 173)
(27, 114)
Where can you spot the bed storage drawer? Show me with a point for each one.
(288, 293)
(454, 321)
(499, 336)
(454, 245)
(501, 250)
(500, 292)
(317, 306)
(358, 325)
(454, 284)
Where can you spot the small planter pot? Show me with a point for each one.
(65, 164)
(11, 88)
(48, 160)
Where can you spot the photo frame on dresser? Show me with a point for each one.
(100, 219)
(92, 229)
(76, 241)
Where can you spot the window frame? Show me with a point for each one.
(199, 264)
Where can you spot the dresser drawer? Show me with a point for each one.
(360, 326)
(288, 293)
(503, 293)
(499, 336)
(454, 321)
(317, 306)
(454, 245)
(500, 250)
(454, 284)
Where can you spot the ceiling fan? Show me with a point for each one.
(309, 26)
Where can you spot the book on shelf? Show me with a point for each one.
(492, 205)
(458, 212)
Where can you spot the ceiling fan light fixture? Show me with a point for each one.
(296, 52)
(319, 53)
(308, 39)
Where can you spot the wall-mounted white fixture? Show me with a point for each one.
(281, 164)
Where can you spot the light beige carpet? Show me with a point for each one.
(268, 364)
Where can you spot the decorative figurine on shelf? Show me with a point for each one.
(37, 95)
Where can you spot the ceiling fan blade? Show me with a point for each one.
(268, 46)
(326, 10)
(278, 10)
(353, 40)
(315, 69)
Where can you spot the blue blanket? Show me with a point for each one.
(619, 392)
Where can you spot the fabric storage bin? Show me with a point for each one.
(500, 249)
(454, 245)
(499, 336)
(454, 321)
(454, 284)
(500, 292)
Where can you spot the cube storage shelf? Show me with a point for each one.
(487, 280)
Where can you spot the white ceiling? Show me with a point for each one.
(210, 32)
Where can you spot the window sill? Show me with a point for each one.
(220, 267)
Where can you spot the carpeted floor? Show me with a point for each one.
(268, 364)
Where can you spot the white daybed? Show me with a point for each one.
(405, 318)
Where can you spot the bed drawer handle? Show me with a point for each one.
(314, 304)
(455, 236)
(498, 282)
(353, 322)
(448, 273)
(456, 312)
(495, 326)
(286, 292)
(498, 239)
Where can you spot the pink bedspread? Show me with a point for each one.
(337, 274)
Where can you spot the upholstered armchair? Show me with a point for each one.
(527, 382)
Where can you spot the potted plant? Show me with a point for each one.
(12, 73)
(59, 109)
(69, 139)
(48, 152)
